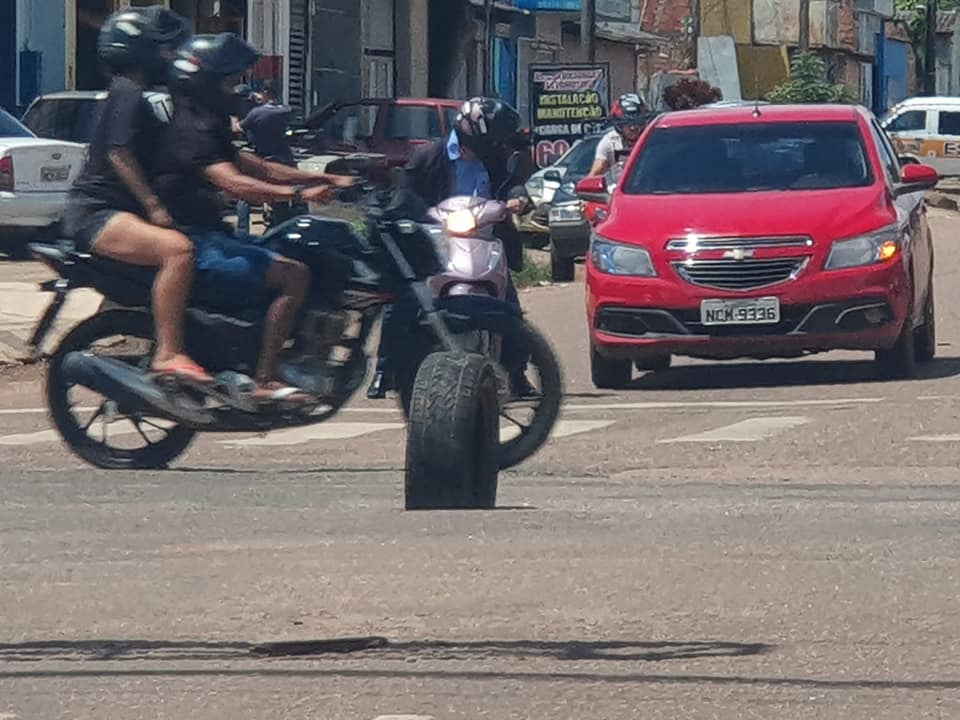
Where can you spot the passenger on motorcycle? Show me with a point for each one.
(629, 118)
(468, 162)
(197, 161)
(112, 210)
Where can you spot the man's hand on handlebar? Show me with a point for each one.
(319, 193)
(516, 205)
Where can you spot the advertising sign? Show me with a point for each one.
(566, 103)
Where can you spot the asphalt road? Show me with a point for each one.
(735, 540)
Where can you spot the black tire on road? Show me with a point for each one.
(900, 361)
(562, 269)
(132, 324)
(453, 434)
(609, 373)
(925, 340)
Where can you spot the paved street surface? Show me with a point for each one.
(728, 540)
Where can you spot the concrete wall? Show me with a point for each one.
(621, 56)
(727, 17)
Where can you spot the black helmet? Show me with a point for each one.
(486, 122)
(142, 38)
(203, 62)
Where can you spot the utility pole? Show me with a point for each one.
(588, 29)
(488, 48)
(930, 51)
(804, 26)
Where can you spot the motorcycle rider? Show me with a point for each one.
(469, 161)
(196, 161)
(112, 210)
(629, 118)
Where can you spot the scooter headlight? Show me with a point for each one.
(460, 222)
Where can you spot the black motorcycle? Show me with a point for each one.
(454, 397)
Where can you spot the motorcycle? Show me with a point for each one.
(452, 458)
(475, 266)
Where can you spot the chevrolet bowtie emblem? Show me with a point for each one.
(738, 253)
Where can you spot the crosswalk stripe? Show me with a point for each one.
(749, 430)
(935, 438)
(563, 428)
(320, 431)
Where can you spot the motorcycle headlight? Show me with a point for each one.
(616, 258)
(460, 222)
(878, 246)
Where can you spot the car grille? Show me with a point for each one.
(739, 274)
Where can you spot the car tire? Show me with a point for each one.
(925, 336)
(608, 373)
(562, 269)
(899, 362)
(655, 363)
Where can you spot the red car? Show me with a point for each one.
(775, 231)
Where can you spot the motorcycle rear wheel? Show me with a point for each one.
(132, 325)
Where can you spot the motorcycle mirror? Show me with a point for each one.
(513, 164)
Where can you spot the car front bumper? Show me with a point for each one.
(856, 309)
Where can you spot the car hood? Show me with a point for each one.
(823, 215)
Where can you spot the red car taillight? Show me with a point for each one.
(6, 174)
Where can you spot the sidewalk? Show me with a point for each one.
(22, 304)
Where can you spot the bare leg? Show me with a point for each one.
(292, 279)
(129, 239)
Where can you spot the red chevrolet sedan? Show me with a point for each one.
(775, 231)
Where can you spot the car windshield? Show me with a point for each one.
(69, 119)
(413, 122)
(750, 157)
(11, 127)
(579, 159)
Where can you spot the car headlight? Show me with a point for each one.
(535, 188)
(619, 259)
(875, 247)
(571, 212)
(460, 222)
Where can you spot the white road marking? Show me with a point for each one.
(118, 429)
(935, 438)
(309, 433)
(578, 407)
(749, 430)
(404, 717)
(563, 428)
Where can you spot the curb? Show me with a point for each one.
(941, 200)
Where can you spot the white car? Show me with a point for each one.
(35, 176)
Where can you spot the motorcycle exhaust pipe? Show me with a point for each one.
(127, 386)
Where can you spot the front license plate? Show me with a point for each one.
(59, 173)
(755, 311)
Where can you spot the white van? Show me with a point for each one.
(927, 130)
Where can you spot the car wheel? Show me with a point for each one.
(654, 363)
(562, 269)
(925, 336)
(899, 362)
(609, 374)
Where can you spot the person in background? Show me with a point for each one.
(470, 161)
(245, 99)
(629, 118)
(112, 210)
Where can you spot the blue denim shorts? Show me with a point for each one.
(231, 273)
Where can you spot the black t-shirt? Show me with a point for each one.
(126, 121)
(195, 139)
(266, 129)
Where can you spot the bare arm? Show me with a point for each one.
(279, 173)
(227, 176)
(599, 167)
(131, 174)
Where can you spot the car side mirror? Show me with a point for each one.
(553, 176)
(916, 177)
(593, 189)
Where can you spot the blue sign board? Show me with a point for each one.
(563, 5)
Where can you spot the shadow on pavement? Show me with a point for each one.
(781, 374)
(374, 649)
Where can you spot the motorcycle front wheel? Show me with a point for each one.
(525, 422)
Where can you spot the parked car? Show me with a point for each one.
(544, 183)
(774, 234)
(35, 175)
(393, 127)
(927, 129)
(72, 115)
